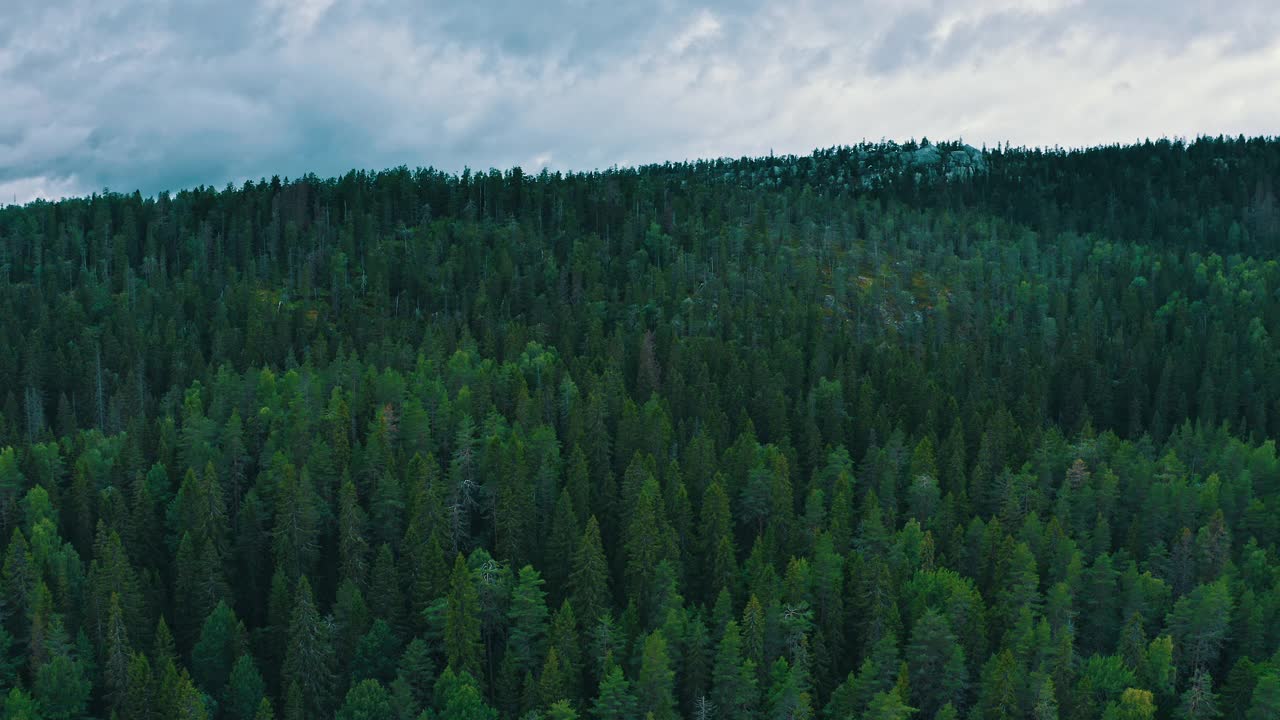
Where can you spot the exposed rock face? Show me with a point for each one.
(862, 167)
(965, 162)
(926, 155)
(876, 164)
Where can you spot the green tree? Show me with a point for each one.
(62, 687)
(115, 657)
(1000, 688)
(297, 517)
(61, 678)
(787, 697)
(528, 619)
(589, 583)
(309, 655)
(462, 646)
(386, 602)
(733, 682)
(376, 654)
(553, 681)
(1199, 702)
(655, 683)
(1200, 623)
(561, 544)
(12, 484)
(888, 706)
(936, 663)
(20, 706)
(459, 699)
(615, 700)
(1133, 704)
(564, 637)
(416, 673)
(246, 690)
(353, 543)
(647, 543)
(223, 639)
(264, 711)
(139, 698)
(367, 700)
(1266, 697)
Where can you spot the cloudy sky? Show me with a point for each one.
(166, 94)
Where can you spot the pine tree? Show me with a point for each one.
(417, 673)
(1199, 701)
(754, 632)
(648, 542)
(139, 697)
(117, 654)
(528, 620)
(1200, 623)
(1001, 684)
(375, 654)
(295, 706)
(18, 705)
(589, 583)
(111, 573)
(561, 710)
(733, 683)
(936, 663)
(222, 640)
(1266, 697)
(615, 700)
(655, 683)
(18, 575)
(888, 706)
(459, 698)
(246, 690)
(309, 661)
(697, 655)
(386, 509)
(553, 681)
(12, 485)
(718, 555)
(264, 711)
(353, 545)
(1133, 704)
(462, 647)
(295, 537)
(385, 599)
(564, 637)
(561, 545)
(1045, 705)
(368, 700)
(351, 621)
(9, 660)
(62, 684)
(340, 427)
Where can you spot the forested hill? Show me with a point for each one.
(883, 432)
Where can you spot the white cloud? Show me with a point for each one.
(702, 27)
(293, 20)
(23, 190)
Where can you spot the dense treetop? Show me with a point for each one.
(883, 432)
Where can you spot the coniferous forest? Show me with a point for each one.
(882, 432)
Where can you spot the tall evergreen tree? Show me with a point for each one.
(309, 653)
(462, 646)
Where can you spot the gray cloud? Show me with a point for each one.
(165, 94)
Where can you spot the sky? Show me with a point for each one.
(155, 95)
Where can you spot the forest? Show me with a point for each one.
(886, 432)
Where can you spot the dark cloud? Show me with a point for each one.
(156, 94)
